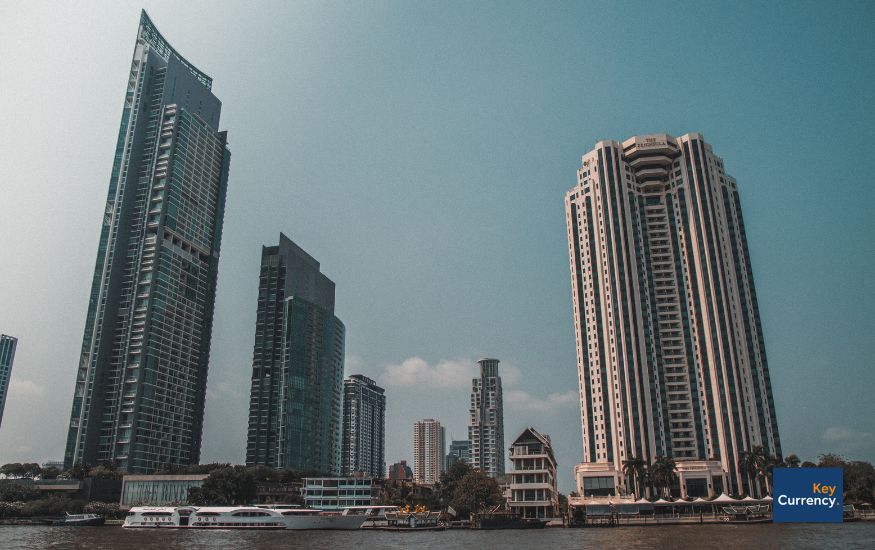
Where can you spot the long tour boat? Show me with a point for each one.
(242, 517)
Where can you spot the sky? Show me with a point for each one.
(421, 151)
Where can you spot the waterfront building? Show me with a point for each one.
(336, 493)
(429, 440)
(460, 451)
(296, 395)
(364, 427)
(141, 380)
(7, 355)
(158, 490)
(400, 471)
(533, 490)
(670, 351)
(56, 464)
(486, 421)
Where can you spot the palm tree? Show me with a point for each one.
(792, 461)
(747, 463)
(662, 472)
(634, 469)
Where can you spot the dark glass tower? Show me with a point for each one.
(139, 395)
(7, 355)
(297, 365)
(364, 427)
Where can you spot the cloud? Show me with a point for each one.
(523, 400)
(24, 388)
(850, 442)
(415, 371)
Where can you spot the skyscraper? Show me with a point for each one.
(486, 420)
(460, 451)
(142, 375)
(670, 351)
(7, 355)
(429, 444)
(364, 427)
(297, 365)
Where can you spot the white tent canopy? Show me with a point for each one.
(724, 499)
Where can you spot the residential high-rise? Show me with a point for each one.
(7, 355)
(429, 441)
(486, 420)
(670, 351)
(297, 365)
(400, 471)
(460, 451)
(364, 427)
(142, 375)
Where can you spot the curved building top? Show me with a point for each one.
(149, 34)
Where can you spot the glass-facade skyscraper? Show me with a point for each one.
(670, 351)
(486, 420)
(297, 365)
(141, 380)
(364, 427)
(7, 355)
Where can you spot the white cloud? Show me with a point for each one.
(27, 389)
(843, 434)
(415, 371)
(523, 400)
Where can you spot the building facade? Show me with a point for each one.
(400, 471)
(336, 493)
(460, 451)
(670, 350)
(158, 490)
(141, 380)
(429, 449)
(7, 356)
(296, 394)
(486, 420)
(533, 489)
(364, 427)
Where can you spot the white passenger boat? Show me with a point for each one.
(206, 517)
(241, 517)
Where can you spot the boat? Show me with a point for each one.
(206, 517)
(372, 516)
(505, 520)
(78, 520)
(264, 517)
(408, 520)
(747, 514)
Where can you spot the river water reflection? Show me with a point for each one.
(778, 536)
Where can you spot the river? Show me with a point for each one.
(778, 536)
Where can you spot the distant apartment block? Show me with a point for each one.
(429, 450)
(533, 489)
(486, 420)
(460, 451)
(364, 427)
(296, 394)
(400, 471)
(670, 351)
(7, 355)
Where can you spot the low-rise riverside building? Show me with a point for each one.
(158, 490)
(533, 492)
(335, 493)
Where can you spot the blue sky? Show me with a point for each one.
(421, 152)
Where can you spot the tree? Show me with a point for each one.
(859, 476)
(791, 461)
(225, 486)
(662, 473)
(634, 469)
(475, 492)
(445, 489)
(16, 491)
(50, 473)
(747, 463)
(105, 472)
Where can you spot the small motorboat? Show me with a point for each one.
(78, 520)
